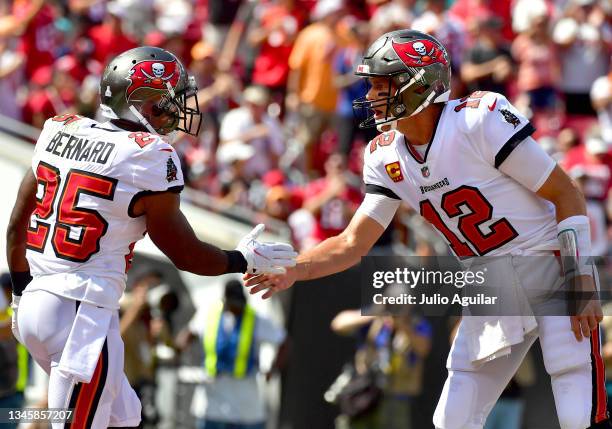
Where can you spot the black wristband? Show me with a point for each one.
(19, 280)
(235, 262)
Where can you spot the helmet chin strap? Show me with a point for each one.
(142, 119)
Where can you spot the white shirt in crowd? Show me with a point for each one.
(238, 121)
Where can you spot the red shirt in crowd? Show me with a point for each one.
(40, 40)
(109, 42)
(272, 64)
(335, 214)
(467, 10)
(597, 168)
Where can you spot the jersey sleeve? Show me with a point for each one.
(528, 164)
(380, 208)
(157, 168)
(373, 175)
(496, 127)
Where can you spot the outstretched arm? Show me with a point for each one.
(170, 231)
(340, 252)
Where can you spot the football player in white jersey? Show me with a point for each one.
(93, 191)
(470, 167)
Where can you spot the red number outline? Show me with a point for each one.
(67, 118)
(472, 100)
(481, 211)
(142, 139)
(501, 232)
(384, 139)
(69, 214)
(49, 177)
(460, 248)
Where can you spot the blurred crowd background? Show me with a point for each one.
(280, 145)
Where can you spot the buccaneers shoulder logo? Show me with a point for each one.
(419, 53)
(171, 170)
(152, 75)
(510, 117)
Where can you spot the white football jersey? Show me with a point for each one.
(83, 231)
(457, 185)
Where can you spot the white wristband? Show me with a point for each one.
(574, 236)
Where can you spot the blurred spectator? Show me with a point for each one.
(584, 35)
(42, 101)
(11, 79)
(234, 185)
(251, 124)
(466, 10)
(537, 59)
(34, 22)
(139, 345)
(436, 20)
(595, 211)
(13, 356)
(273, 33)
(395, 347)
(217, 90)
(567, 140)
(487, 64)
(594, 160)
(601, 98)
(87, 11)
(331, 200)
(108, 38)
(310, 87)
(278, 203)
(231, 334)
(391, 15)
(172, 18)
(350, 87)
(221, 14)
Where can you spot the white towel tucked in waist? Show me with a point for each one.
(85, 341)
(491, 335)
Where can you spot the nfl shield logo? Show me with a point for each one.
(425, 171)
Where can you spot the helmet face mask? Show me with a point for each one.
(417, 70)
(183, 108)
(149, 86)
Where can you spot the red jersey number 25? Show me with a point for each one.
(92, 225)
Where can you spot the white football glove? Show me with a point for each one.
(265, 257)
(14, 306)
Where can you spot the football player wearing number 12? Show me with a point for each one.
(93, 191)
(471, 168)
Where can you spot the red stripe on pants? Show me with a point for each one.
(86, 397)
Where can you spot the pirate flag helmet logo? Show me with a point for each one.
(419, 53)
(152, 75)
